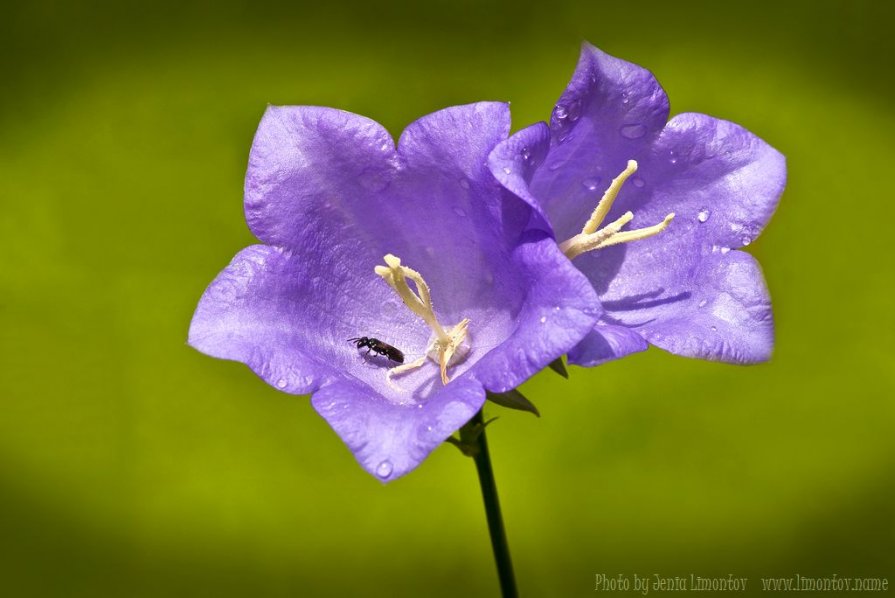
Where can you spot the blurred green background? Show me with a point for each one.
(131, 465)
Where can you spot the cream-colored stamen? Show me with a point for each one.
(447, 344)
(593, 237)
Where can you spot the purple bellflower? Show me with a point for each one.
(703, 188)
(348, 222)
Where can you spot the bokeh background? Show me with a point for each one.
(131, 465)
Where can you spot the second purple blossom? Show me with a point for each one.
(654, 212)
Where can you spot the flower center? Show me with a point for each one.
(447, 346)
(593, 237)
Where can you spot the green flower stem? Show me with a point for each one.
(492, 510)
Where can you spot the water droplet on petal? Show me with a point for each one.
(703, 215)
(507, 170)
(459, 211)
(525, 153)
(281, 383)
(591, 184)
(638, 182)
(714, 328)
(384, 469)
(543, 319)
(746, 240)
(560, 112)
(632, 131)
(725, 249)
(703, 303)
(556, 165)
(464, 183)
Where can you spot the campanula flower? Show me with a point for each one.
(654, 212)
(394, 284)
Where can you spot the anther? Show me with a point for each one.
(593, 237)
(447, 344)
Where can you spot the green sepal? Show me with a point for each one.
(513, 399)
(468, 443)
(559, 367)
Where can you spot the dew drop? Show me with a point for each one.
(525, 153)
(715, 328)
(281, 383)
(703, 215)
(464, 183)
(703, 303)
(638, 182)
(507, 170)
(746, 240)
(459, 211)
(725, 249)
(560, 113)
(556, 165)
(543, 319)
(384, 469)
(632, 131)
(591, 184)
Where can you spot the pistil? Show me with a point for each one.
(593, 237)
(447, 345)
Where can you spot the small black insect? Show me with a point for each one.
(378, 347)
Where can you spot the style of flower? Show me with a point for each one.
(694, 189)
(414, 251)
